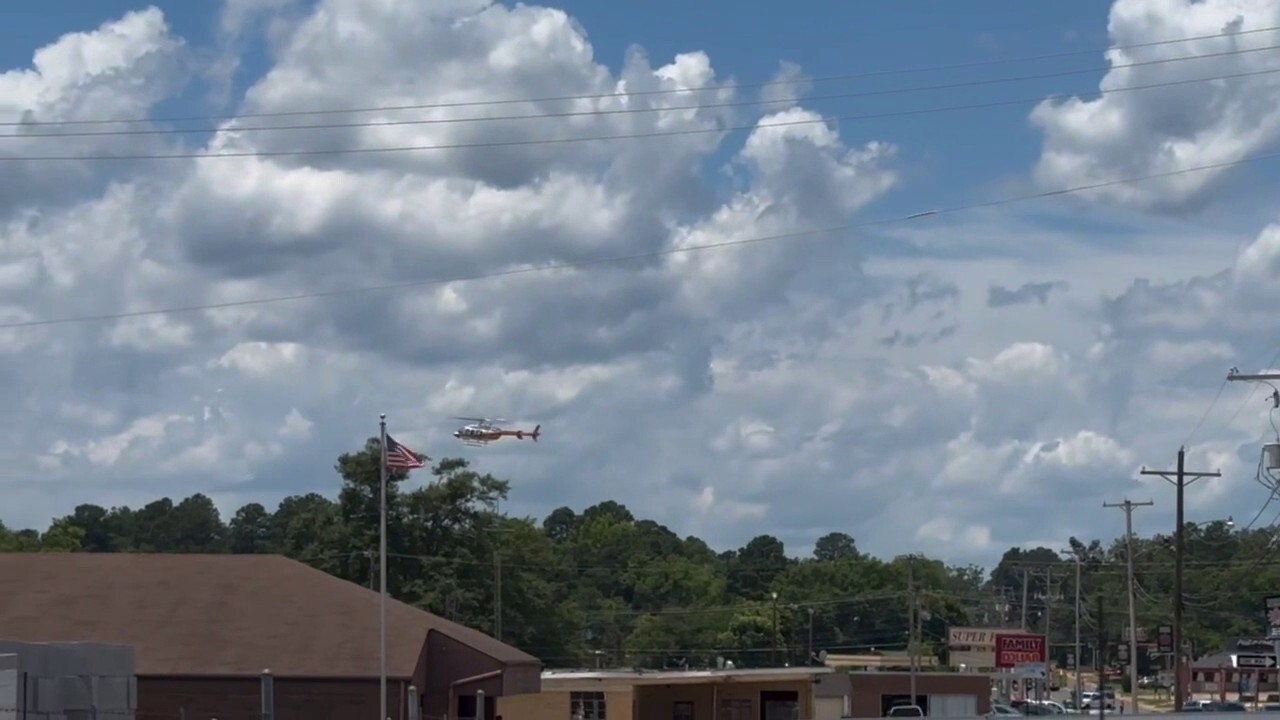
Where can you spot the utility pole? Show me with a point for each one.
(1180, 479)
(773, 644)
(1128, 507)
(497, 533)
(1042, 687)
(1025, 581)
(913, 614)
(1077, 648)
(809, 659)
(497, 594)
(1100, 661)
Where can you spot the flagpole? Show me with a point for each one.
(382, 571)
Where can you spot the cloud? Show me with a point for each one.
(119, 71)
(787, 86)
(834, 379)
(1155, 131)
(1037, 292)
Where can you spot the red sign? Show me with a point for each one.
(1014, 649)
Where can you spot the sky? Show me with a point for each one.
(941, 275)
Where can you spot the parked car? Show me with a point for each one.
(1093, 700)
(905, 711)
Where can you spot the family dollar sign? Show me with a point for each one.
(1013, 650)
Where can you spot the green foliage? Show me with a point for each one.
(603, 587)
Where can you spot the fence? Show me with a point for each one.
(99, 714)
(261, 705)
(96, 714)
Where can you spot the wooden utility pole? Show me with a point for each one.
(497, 594)
(1077, 662)
(1180, 479)
(1042, 688)
(773, 644)
(1128, 506)
(1100, 661)
(913, 617)
(809, 659)
(1025, 582)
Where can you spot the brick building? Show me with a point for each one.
(205, 627)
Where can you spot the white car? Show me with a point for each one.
(1092, 700)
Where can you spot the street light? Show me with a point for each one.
(1228, 523)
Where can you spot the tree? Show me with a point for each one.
(835, 546)
(599, 585)
(754, 567)
(250, 530)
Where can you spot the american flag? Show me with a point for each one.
(400, 457)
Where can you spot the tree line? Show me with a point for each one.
(600, 587)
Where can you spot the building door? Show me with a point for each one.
(779, 705)
(467, 709)
(735, 709)
(888, 702)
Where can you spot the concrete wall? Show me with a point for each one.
(866, 689)
(654, 702)
(828, 708)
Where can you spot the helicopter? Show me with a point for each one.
(479, 432)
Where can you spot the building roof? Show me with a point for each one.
(219, 614)
(565, 679)
(888, 659)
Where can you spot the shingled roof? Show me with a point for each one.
(219, 615)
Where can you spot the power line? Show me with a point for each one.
(625, 136)
(619, 111)
(1212, 403)
(1252, 390)
(635, 257)
(640, 93)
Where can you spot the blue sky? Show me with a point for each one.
(959, 156)
(826, 39)
(868, 381)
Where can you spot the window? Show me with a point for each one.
(780, 705)
(586, 706)
(735, 709)
(682, 710)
